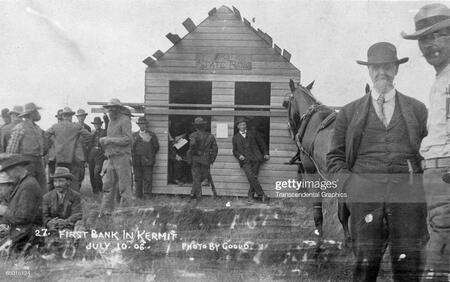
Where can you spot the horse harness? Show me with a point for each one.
(304, 121)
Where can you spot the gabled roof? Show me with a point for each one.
(224, 30)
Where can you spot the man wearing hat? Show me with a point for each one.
(6, 130)
(433, 35)
(251, 151)
(52, 154)
(5, 116)
(23, 200)
(61, 207)
(203, 152)
(27, 138)
(145, 147)
(67, 139)
(81, 117)
(96, 156)
(375, 156)
(117, 146)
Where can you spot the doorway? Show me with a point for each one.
(180, 126)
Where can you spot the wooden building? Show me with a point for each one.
(221, 69)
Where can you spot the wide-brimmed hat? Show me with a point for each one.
(16, 110)
(4, 178)
(142, 120)
(430, 18)
(67, 111)
(11, 160)
(97, 120)
(240, 119)
(81, 112)
(114, 102)
(62, 172)
(382, 53)
(199, 121)
(29, 108)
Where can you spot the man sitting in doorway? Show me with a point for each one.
(251, 151)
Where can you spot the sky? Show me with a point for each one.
(65, 53)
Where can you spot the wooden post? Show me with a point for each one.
(158, 54)
(189, 25)
(148, 61)
(286, 55)
(174, 38)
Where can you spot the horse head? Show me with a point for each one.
(298, 102)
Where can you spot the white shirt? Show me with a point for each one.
(244, 134)
(388, 106)
(145, 136)
(437, 143)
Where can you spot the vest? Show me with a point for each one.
(384, 149)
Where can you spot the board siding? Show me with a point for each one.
(225, 33)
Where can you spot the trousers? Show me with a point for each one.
(200, 172)
(251, 170)
(117, 182)
(95, 168)
(143, 180)
(438, 247)
(375, 225)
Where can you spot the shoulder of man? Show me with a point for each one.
(411, 100)
(73, 194)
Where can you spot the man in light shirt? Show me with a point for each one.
(144, 149)
(432, 24)
(375, 152)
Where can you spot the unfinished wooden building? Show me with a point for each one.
(221, 69)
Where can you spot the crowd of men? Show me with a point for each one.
(113, 156)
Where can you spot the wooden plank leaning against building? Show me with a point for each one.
(223, 50)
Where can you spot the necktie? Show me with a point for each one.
(380, 102)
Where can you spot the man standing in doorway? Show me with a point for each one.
(251, 152)
(433, 35)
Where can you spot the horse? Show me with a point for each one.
(311, 125)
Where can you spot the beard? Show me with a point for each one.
(383, 85)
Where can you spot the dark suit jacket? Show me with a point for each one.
(350, 123)
(72, 210)
(202, 148)
(253, 147)
(24, 203)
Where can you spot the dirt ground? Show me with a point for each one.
(169, 238)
